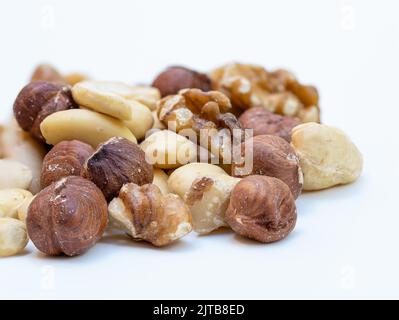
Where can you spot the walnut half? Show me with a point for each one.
(145, 214)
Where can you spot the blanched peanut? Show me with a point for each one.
(157, 123)
(161, 181)
(14, 174)
(11, 200)
(167, 150)
(103, 97)
(18, 145)
(327, 156)
(142, 119)
(206, 190)
(13, 237)
(149, 96)
(23, 209)
(84, 125)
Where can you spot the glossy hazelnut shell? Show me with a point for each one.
(173, 79)
(116, 162)
(274, 157)
(64, 159)
(39, 99)
(263, 121)
(68, 217)
(262, 208)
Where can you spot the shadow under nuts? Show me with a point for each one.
(146, 214)
(274, 157)
(263, 121)
(38, 100)
(64, 159)
(116, 162)
(262, 208)
(173, 79)
(68, 217)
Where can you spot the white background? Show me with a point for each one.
(345, 244)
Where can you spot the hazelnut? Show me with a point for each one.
(173, 79)
(38, 100)
(64, 159)
(263, 121)
(273, 157)
(46, 72)
(145, 214)
(116, 162)
(262, 208)
(68, 217)
(13, 237)
(327, 156)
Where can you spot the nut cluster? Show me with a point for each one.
(160, 161)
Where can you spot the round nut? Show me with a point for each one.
(11, 200)
(68, 217)
(273, 157)
(161, 180)
(173, 79)
(14, 174)
(18, 145)
(46, 72)
(145, 214)
(116, 162)
(83, 125)
(206, 189)
(167, 150)
(262, 208)
(38, 100)
(263, 121)
(13, 237)
(64, 159)
(181, 179)
(327, 156)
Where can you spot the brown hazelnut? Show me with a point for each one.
(173, 79)
(273, 157)
(263, 121)
(68, 217)
(46, 72)
(262, 208)
(64, 159)
(145, 214)
(116, 162)
(38, 100)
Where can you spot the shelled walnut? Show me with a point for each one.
(250, 86)
(207, 115)
(146, 214)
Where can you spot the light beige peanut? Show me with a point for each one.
(149, 96)
(13, 237)
(161, 181)
(14, 174)
(206, 189)
(142, 119)
(23, 209)
(11, 200)
(83, 125)
(327, 156)
(18, 145)
(157, 123)
(103, 97)
(167, 150)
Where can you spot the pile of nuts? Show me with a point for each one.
(85, 157)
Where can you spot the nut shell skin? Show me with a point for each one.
(39, 99)
(145, 214)
(274, 157)
(116, 162)
(64, 159)
(173, 79)
(68, 217)
(262, 208)
(263, 121)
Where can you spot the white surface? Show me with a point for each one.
(346, 242)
